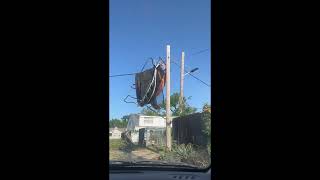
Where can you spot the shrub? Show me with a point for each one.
(183, 151)
(170, 157)
(206, 121)
(128, 146)
(201, 158)
(209, 149)
(190, 154)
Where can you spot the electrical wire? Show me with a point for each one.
(191, 74)
(122, 75)
(199, 52)
(177, 65)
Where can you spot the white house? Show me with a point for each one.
(137, 122)
(115, 133)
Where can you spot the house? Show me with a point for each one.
(115, 133)
(137, 122)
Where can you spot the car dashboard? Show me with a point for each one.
(158, 175)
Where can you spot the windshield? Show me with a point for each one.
(160, 90)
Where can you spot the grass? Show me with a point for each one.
(123, 145)
(115, 149)
(116, 144)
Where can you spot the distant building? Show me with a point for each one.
(115, 133)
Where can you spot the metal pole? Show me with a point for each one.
(168, 111)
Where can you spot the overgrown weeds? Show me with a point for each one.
(190, 154)
(128, 146)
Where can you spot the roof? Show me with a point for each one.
(141, 115)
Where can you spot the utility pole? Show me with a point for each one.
(181, 82)
(168, 111)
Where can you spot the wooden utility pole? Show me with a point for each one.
(168, 111)
(181, 82)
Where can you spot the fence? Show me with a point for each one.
(152, 136)
(188, 129)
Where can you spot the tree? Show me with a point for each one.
(206, 123)
(148, 112)
(126, 117)
(120, 123)
(206, 117)
(174, 107)
(125, 120)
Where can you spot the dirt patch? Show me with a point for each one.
(118, 155)
(145, 154)
(137, 154)
(125, 150)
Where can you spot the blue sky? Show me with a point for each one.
(140, 29)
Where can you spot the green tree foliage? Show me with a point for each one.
(174, 107)
(126, 117)
(206, 117)
(148, 112)
(206, 122)
(125, 120)
(119, 123)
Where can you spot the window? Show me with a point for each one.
(148, 122)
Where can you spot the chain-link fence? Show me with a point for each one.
(152, 137)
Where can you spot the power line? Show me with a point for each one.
(122, 75)
(191, 74)
(134, 73)
(196, 53)
(199, 52)
(174, 63)
(199, 80)
(186, 66)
